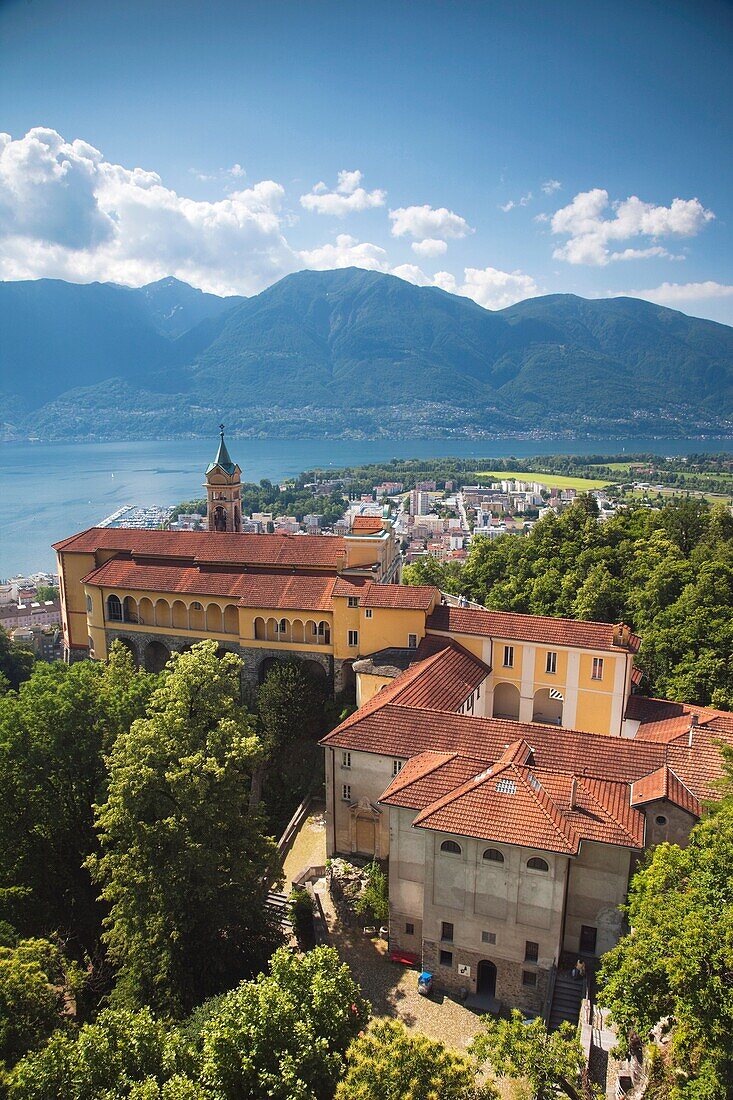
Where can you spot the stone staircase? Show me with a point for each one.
(566, 999)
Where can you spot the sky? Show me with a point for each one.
(498, 149)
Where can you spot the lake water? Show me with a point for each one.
(50, 491)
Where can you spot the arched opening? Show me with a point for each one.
(214, 619)
(162, 613)
(493, 855)
(220, 519)
(196, 616)
(536, 863)
(348, 680)
(297, 630)
(506, 701)
(114, 609)
(316, 670)
(156, 656)
(271, 631)
(451, 847)
(486, 978)
(260, 629)
(146, 612)
(324, 633)
(179, 615)
(129, 610)
(547, 707)
(129, 646)
(265, 666)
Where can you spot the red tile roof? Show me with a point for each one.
(314, 551)
(405, 597)
(349, 586)
(367, 525)
(664, 720)
(527, 628)
(663, 784)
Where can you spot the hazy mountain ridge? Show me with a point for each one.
(351, 351)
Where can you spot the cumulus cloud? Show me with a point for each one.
(488, 286)
(422, 222)
(551, 186)
(592, 234)
(412, 274)
(429, 247)
(349, 196)
(707, 299)
(345, 252)
(66, 212)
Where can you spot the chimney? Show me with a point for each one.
(573, 793)
(616, 638)
(693, 727)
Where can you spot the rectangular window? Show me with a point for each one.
(597, 673)
(551, 663)
(397, 766)
(446, 958)
(353, 601)
(412, 641)
(508, 656)
(529, 978)
(282, 626)
(368, 613)
(531, 951)
(345, 759)
(469, 704)
(346, 792)
(409, 929)
(488, 937)
(353, 638)
(446, 932)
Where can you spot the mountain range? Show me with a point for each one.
(351, 352)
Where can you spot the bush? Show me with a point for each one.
(301, 914)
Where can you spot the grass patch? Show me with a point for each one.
(550, 481)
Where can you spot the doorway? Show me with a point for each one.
(588, 937)
(486, 978)
(365, 836)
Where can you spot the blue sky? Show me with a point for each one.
(498, 149)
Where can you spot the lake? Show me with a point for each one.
(50, 491)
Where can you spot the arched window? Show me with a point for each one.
(537, 864)
(196, 606)
(493, 855)
(114, 609)
(451, 846)
(89, 604)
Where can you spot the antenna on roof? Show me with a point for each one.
(693, 726)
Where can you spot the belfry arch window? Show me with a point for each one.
(493, 855)
(538, 864)
(451, 847)
(114, 609)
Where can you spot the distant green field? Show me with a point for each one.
(552, 481)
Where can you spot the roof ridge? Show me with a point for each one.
(396, 786)
(468, 785)
(605, 809)
(540, 795)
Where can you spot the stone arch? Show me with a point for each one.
(179, 615)
(214, 619)
(265, 666)
(546, 708)
(146, 612)
(231, 619)
(506, 701)
(157, 656)
(129, 645)
(315, 669)
(162, 613)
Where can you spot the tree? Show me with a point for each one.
(16, 663)
(428, 570)
(53, 736)
(373, 904)
(677, 962)
(47, 592)
(390, 1063)
(520, 1048)
(284, 1035)
(184, 867)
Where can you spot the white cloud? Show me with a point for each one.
(429, 247)
(422, 222)
(525, 200)
(668, 294)
(66, 212)
(507, 206)
(490, 287)
(348, 197)
(346, 252)
(412, 274)
(550, 186)
(591, 234)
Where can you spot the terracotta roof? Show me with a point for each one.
(367, 525)
(349, 586)
(664, 720)
(664, 784)
(317, 551)
(406, 597)
(527, 628)
(256, 590)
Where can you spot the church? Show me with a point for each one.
(500, 764)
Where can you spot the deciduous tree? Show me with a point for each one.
(519, 1048)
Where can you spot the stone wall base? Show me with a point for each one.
(510, 988)
(399, 938)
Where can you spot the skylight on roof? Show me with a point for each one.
(534, 782)
(506, 786)
(483, 775)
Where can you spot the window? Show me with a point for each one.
(451, 846)
(537, 864)
(345, 759)
(660, 819)
(551, 663)
(508, 656)
(353, 601)
(446, 958)
(397, 766)
(353, 638)
(597, 673)
(368, 613)
(196, 606)
(446, 931)
(529, 978)
(114, 609)
(531, 951)
(346, 792)
(409, 928)
(282, 626)
(469, 703)
(89, 603)
(488, 937)
(412, 641)
(493, 855)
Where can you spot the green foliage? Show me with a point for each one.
(301, 913)
(373, 904)
(35, 982)
(390, 1063)
(53, 736)
(185, 865)
(428, 570)
(519, 1048)
(47, 592)
(284, 1035)
(677, 961)
(16, 663)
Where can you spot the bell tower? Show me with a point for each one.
(223, 490)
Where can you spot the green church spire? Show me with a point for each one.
(222, 460)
